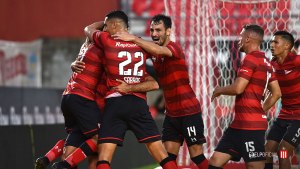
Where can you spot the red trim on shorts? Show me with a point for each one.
(149, 137)
(110, 138)
(234, 151)
(90, 131)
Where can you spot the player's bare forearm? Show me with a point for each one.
(152, 48)
(236, 88)
(273, 96)
(146, 86)
(148, 46)
(90, 29)
(227, 90)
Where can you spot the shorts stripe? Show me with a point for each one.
(148, 138)
(90, 131)
(110, 138)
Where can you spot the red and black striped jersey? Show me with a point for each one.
(288, 75)
(122, 60)
(101, 92)
(85, 83)
(249, 115)
(172, 73)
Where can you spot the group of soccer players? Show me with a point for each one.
(111, 67)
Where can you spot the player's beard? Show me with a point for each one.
(162, 40)
(273, 52)
(241, 49)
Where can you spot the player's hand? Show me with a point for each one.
(123, 87)
(125, 36)
(77, 66)
(215, 94)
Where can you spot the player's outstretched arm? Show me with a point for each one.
(236, 88)
(148, 85)
(148, 46)
(90, 29)
(273, 96)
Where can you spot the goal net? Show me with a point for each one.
(208, 32)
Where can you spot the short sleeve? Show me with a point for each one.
(97, 36)
(297, 60)
(273, 75)
(176, 50)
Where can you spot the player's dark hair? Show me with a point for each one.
(256, 29)
(286, 36)
(165, 19)
(119, 15)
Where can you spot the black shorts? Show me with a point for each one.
(75, 138)
(246, 144)
(81, 113)
(287, 130)
(127, 113)
(190, 128)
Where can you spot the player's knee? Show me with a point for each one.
(271, 146)
(214, 161)
(195, 150)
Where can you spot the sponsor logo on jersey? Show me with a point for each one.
(244, 70)
(287, 71)
(132, 80)
(125, 45)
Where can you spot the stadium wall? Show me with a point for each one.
(32, 19)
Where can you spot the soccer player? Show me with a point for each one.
(245, 136)
(284, 134)
(80, 109)
(124, 111)
(84, 82)
(80, 153)
(183, 111)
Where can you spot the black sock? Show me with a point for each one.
(173, 157)
(164, 161)
(102, 162)
(87, 149)
(61, 164)
(65, 164)
(213, 167)
(198, 159)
